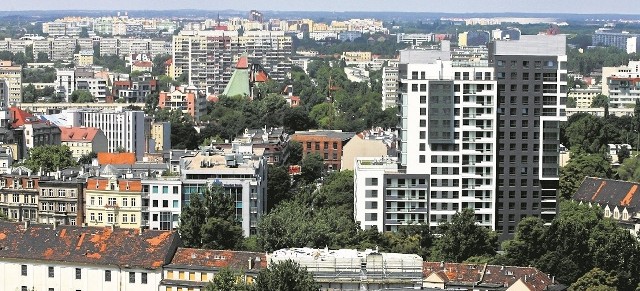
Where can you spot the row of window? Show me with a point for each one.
(112, 201)
(325, 145)
(62, 207)
(16, 183)
(61, 193)
(78, 274)
(125, 218)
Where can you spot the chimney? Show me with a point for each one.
(250, 263)
(141, 231)
(55, 224)
(26, 224)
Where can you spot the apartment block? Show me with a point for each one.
(186, 99)
(532, 91)
(19, 197)
(45, 257)
(447, 149)
(113, 201)
(326, 143)
(83, 140)
(161, 203)
(124, 129)
(241, 171)
(12, 76)
(61, 202)
(208, 56)
(389, 87)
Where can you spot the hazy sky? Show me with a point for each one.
(558, 6)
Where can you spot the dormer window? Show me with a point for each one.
(15, 183)
(30, 184)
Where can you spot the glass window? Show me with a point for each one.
(107, 276)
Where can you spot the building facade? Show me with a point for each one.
(161, 203)
(61, 202)
(240, 170)
(83, 140)
(13, 82)
(532, 90)
(326, 143)
(112, 201)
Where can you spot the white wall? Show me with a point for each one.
(92, 277)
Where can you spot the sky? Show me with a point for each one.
(462, 6)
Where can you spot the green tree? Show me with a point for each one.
(278, 185)
(582, 165)
(159, 67)
(285, 276)
(184, 136)
(49, 158)
(630, 169)
(526, 246)
(81, 96)
(87, 159)
(295, 153)
(596, 279)
(623, 154)
(600, 101)
(462, 238)
(571, 102)
(227, 280)
(209, 220)
(312, 167)
(588, 134)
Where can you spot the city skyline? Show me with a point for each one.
(462, 6)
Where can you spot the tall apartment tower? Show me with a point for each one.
(447, 147)
(531, 74)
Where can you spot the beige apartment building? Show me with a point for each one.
(83, 140)
(13, 76)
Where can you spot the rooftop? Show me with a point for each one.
(608, 192)
(116, 158)
(328, 133)
(128, 248)
(78, 134)
(214, 259)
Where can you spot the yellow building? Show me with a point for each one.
(194, 268)
(13, 76)
(83, 58)
(112, 201)
(356, 56)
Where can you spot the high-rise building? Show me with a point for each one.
(482, 135)
(532, 91)
(447, 147)
(13, 81)
(207, 57)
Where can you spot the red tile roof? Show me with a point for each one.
(143, 64)
(20, 117)
(261, 76)
(116, 158)
(129, 248)
(494, 276)
(214, 259)
(78, 134)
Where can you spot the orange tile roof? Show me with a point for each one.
(207, 259)
(133, 185)
(243, 63)
(116, 158)
(150, 249)
(143, 64)
(78, 134)
(261, 77)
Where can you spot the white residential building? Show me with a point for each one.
(241, 170)
(161, 202)
(389, 87)
(124, 129)
(46, 257)
(447, 148)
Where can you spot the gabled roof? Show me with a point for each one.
(215, 259)
(609, 192)
(78, 134)
(143, 64)
(116, 158)
(489, 276)
(20, 117)
(127, 248)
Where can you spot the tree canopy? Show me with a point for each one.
(285, 275)
(462, 238)
(49, 158)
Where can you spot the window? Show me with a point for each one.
(133, 218)
(125, 218)
(24, 270)
(100, 217)
(92, 216)
(24, 288)
(125, 202)
(51, 274)
(143, 278)
(133, 202)
(100, 200)
(107, 275)
(132, 277)
(110, 217)
(78, 273)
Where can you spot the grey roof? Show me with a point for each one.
(609, 192)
